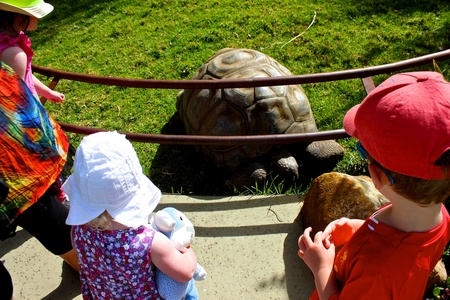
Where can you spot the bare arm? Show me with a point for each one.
(16, 58)
(179, 266)
(320, 260)
(45, 91)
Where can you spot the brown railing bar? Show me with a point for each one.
(246, 82)
(168, 139)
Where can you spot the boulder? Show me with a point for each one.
(335, 195)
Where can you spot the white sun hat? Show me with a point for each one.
(108, 176)
(36, 8)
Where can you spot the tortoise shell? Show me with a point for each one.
(243, 111)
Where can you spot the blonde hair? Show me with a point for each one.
(102, 222)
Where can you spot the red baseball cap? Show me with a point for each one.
(404, 123)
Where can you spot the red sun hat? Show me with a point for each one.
(404, 123)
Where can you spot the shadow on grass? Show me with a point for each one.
(180, 169)
(378, 7)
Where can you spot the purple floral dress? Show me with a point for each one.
(115, 264)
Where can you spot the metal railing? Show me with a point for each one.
(365, 74)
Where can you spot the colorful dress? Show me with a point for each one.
(34, 147)
(115, 264)
(24, 43)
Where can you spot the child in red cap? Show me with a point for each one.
(403, 127)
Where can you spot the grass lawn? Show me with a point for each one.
(171, 39)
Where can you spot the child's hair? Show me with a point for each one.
(7, 19)
(102, 222)
(422, 191)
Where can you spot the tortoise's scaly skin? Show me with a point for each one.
(243, 111)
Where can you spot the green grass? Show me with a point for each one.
(171, 39)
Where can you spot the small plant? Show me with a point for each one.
(441, 292)
(274, 186)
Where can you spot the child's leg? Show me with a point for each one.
(71, 259)
(46, 221)
(6, 290)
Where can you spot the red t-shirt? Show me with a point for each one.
(381, 262)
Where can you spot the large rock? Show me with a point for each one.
(336, 195)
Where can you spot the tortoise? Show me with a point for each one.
(252, 111)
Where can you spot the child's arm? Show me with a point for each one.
(16, 58)
(45, 91)
(178, 266)
(320, 260)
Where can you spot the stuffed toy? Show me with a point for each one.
(178, 228)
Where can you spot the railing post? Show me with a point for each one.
(368, 83)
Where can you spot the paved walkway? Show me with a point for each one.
(248, 245)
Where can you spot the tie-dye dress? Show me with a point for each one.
(33, 146)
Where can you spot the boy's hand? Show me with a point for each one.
(314, 253)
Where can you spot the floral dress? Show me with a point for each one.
(115, 264)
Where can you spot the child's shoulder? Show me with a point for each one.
(21, 41)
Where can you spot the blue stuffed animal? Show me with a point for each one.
(177, 227)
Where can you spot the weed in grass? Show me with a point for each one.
(274, 186)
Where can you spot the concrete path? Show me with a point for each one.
(248, 245)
